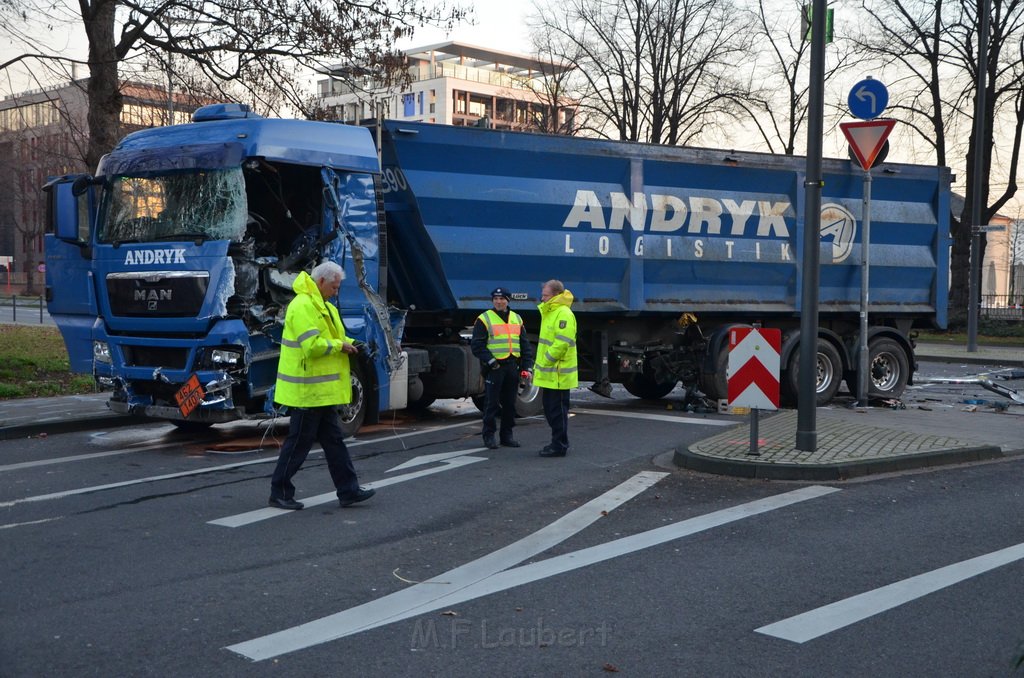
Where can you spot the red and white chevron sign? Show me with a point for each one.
(754, 367)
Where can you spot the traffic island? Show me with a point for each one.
(846, 449)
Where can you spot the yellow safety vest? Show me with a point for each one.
(555, 366)
(313, 370)
(502, 337)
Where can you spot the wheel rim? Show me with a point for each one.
(528, 393)
(350, 411)
(826, 373)
(885, 371)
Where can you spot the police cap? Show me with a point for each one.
(501, 292)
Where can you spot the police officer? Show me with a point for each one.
(505, 353)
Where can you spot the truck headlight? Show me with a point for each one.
(225, 357)
(101, 352)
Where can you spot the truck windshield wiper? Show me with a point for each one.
(199, 238)
(117, 242)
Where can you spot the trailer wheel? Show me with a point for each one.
(644, 386)
(830, 373)
(889, 368)
(353, 413)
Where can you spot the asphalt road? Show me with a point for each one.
(146, 552)
(23, 315)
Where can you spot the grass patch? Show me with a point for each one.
(34, 363)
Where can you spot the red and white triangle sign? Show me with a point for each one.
(867, 138)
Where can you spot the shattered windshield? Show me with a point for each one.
(185, 205)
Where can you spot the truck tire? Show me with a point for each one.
(353, 414)
(830, 374)
(716, 385)
(479, 400)
(889, 368)
(644, 386)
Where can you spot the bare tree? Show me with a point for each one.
(651, 70)
(256, 45)
(777, 106)
(930, 48)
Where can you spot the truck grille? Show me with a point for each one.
(157, 294)
(155, 356)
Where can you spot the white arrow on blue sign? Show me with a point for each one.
(868, 98)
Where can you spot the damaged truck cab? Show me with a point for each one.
(169, 272)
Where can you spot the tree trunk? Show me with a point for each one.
(960, 266)
(104, 90)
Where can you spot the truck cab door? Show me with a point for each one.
(70, 283)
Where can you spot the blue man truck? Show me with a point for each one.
(169, 270)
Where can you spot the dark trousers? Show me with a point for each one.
(319, 424)
(556, 411)
(500, 388)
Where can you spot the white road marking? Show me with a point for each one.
(438, 591)
(29, 522)
(211, 469)
(431, 458)
(818, 622)
(80, 457)
(269, 512)
(656, 417)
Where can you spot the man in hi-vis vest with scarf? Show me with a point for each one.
(500, 344)
(556, 367)
(313, 379)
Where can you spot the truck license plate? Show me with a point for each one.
(189, 396)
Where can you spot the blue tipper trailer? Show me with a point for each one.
(175, 260)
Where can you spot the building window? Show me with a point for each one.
(408, 105)
(432, 107)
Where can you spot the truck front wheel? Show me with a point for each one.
(889, 368)
(353, 413)
(829, 367)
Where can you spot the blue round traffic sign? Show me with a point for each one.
(868, 98)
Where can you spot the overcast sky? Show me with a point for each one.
(499, 24)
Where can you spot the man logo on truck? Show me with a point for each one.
(152, 296)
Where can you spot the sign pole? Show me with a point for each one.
(807, 426)
(754, 452)
(862, 372)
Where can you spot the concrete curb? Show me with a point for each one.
(70, 425)
(922, 354)
(685, 458)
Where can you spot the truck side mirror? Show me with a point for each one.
(70, 208)
(80, 186)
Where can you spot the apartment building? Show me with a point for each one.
(43, 133)
(455, 83)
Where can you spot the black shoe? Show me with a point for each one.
(362, 494)
(490, 443)
(510, 442)
(287, 504)
(549, 451)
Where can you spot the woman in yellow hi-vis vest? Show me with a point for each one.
(313, 378)
(555, 367)
(500, 344)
